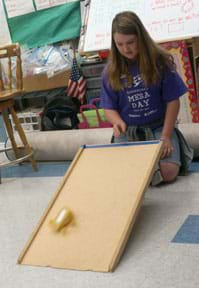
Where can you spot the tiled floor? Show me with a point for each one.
(162, 250)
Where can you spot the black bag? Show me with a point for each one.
(60, 113)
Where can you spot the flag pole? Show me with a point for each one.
(73, 49)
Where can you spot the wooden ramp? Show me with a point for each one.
(103, 187)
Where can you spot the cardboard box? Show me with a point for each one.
(42, 82)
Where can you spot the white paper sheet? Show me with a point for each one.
(19, 7)
(43, 4)
(165, 20)
(4, 31)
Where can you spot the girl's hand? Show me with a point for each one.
(119, 128)
(167, 147)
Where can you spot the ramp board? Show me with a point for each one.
(103, 187)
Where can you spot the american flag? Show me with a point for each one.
(76, 83)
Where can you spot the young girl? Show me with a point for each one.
(141, 90)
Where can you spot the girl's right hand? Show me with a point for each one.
(119, 128)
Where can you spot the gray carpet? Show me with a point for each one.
(154, 256)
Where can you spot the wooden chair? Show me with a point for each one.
(11, 86)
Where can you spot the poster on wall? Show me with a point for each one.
(4, 31)
(20, 7)
(44, 26)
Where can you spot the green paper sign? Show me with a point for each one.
(46, 26)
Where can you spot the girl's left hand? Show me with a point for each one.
(167, 147)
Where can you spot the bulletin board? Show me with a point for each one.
(104, 188)
(165, 20)
(189, 111)
(46, 26)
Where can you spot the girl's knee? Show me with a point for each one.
(169, 171)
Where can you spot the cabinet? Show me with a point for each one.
(92, 73)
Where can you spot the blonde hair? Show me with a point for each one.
(152, 59)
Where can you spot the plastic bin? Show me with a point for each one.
(30, 121)
(94, 82)
(92, 70)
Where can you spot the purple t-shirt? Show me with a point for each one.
(138, 104)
